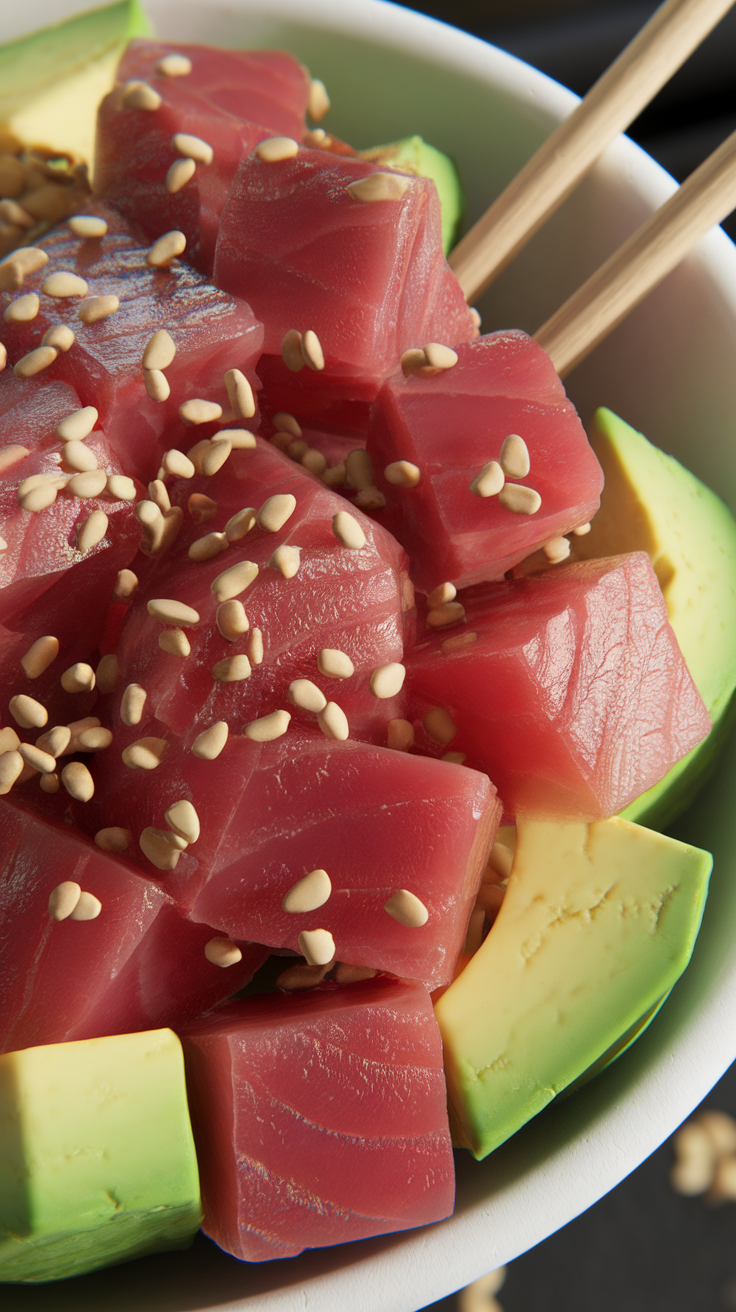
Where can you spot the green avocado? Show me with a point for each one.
(597, 924)
(413, 155)
(52, 81)
(652, 503)
(97, 1160)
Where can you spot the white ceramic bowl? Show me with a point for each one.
(669, 371)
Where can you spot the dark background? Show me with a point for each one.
(643, 1248)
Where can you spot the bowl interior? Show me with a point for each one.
(669, 371)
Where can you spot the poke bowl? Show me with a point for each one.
(668, 371)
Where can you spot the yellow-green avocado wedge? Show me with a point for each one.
(597, 924)
(52, 81)
(97, 1160)
(652, 503)
(414, 155)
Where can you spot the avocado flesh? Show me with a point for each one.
(597, 924)
(652, 503)
(97, 1160)
(413, 155)
(52, 81)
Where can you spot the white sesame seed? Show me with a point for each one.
(556, 550)
(11, 768)
(159, 351)
(307, 696)
(308, 893)
(317, 946)
(35, 361)
(174, 65)
(334, 722)
(207, 547)
(39, 656)
(16, 267)
(286, 559)
(296, 449)
(166, 249)
(489, 481)
(168, 611)
(76, 729)
(94, 740)
(407, 909)
(369, 498)
(282, 441)
(255, 647)
(86, 486)
(400, 735)
(12, 455)
(151, 520)
(78, 425)
(347, 974)
(296, 979)
(60, 336)
(88, 907)
(312, 351)
(318, 101)
(156, 384)
(27, 712)
(240, 394)
(138, 95)
(241, 439)
(214, 457)
(145, 753)
(107, 673)
(202, 508)
(439, 725)
(441, 616)
(231, 582)
(501, 860)
(275, 149)
(314, 461)
(232, 669)
(183, 819)
(132, 704)
(121, 488)
(582, 530)
(413, 361)
(519, 499)
(113, 839)
(87, 225)
(208, 744)
(457, 641)
(23, 309)
(156, 847)
(175, 642)
(179, 174)
(475, 316)
(37, 758)
(240, 523)
(56, 741)
(287, 424)
(334, 664)
(199, 411)
(63, 283)
(440, 595)
(63, 899)
(348, 531)
(359, 468)
(276, 511)
(388, 680)
(402, 473)
(453, 758)
(268, 727)
(95, 308)
(92, 530)
(78, 781)
(193, 147)
(80, 677)
(222, 952)
(514, 457)
(291, 350)
(379, 186)
(231, 620)
(316, 139)
(440, 357)
(198, 452)
(78, 457)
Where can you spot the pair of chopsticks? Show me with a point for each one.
(707, 197)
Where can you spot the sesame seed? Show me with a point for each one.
(301, 976)
(407, 909)
(23, 310)
(379, 186)
(439, 725)
(95, 308)
(317, 946)
(400, 735)
(114, 839)
(159, 351)
(240, 394)
(388, 680)
(194, 147)
(334, 664)
(439, 356)
(222, 952)
(346, 974)
(318, 101)
(202, 508)
(87, 225)
(35, 361)
(287, 423)
(55, 741)
(475, 316)
(556, 550)
(63, 899)
(151, 520)
(76, 729)
(308, 893)
(582, 530)
(314, 461)
(312, 351)
(489, 481)
(107, 673)
(457, 641)
(121, 488)
(175, 642)
(440, 595)
(442, 616)
(453, 758)
(275, 149)
(39, 759)
(286, 559)
(215, 456)
(199, 411)
(348, 531)
(87, 485)
(240, 523)
(198, 452)
(174, 65)
(501, 860)
(296, 449)
(241, 439)
(138, 95)
(402, 473)
(156, 384)
(183, 819)
(359, 469)
(208, 744)
(49, 783)
(276, 511)
(12, 455)
(282, 441)
(209, 546)
(157, 848)
(27, 712)
(14, 215)
(231, 582)
(132, 704)
(78, 457)
(145, 753)
(92, 530)
(39, 495)
(232, 669)
(166, 249)
(17, 266)
(316, 139)
(11, 768)
(168, 611)
(179, 174)
(369, 498)
(80, 677)
(413, 361)
(291, 350)
(39, 656)
(307, 696)
(9, 740)
(334, 722)
(268, 727)
(60, 336)
(78, 781)
(78, 425)
(335, 476)
(231, 620)
(88, 907)
(520, 500)
(514, 457)
(255, 647)
(63, 283)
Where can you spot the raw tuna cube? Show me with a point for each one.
(568, 687)
(377, 821)
(319, 1118)
(368, 277)
(450, 426)
(138, 965)
(212, 333)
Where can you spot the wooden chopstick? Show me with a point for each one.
(657, 247)
(646, 64)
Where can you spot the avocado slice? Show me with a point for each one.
(652, 503)
(597, 924)
(413, 155)
(97, 1160)
(52, 81)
